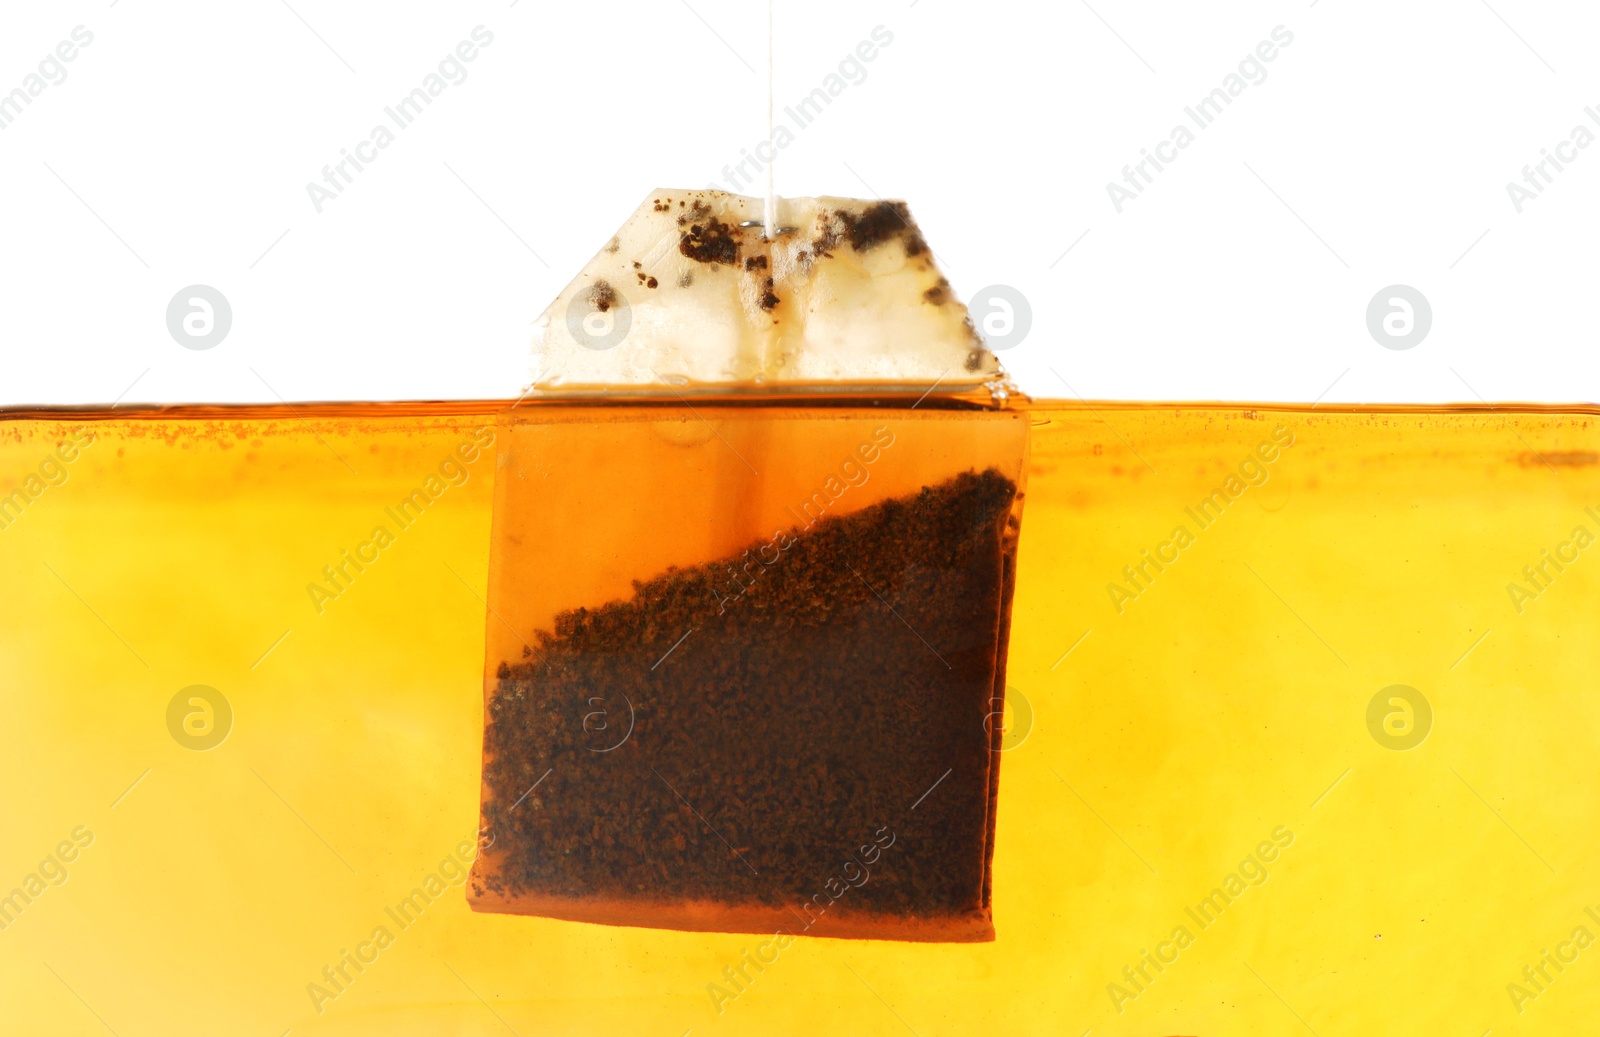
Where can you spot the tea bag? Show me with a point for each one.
(750, 583)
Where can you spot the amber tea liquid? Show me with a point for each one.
(305, 873)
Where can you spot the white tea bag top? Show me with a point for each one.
(687, 296)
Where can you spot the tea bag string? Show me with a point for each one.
(770, 214)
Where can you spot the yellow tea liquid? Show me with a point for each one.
(1302, 737)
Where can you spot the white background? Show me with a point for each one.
(1377, 151)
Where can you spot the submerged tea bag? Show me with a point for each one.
(750, 583)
